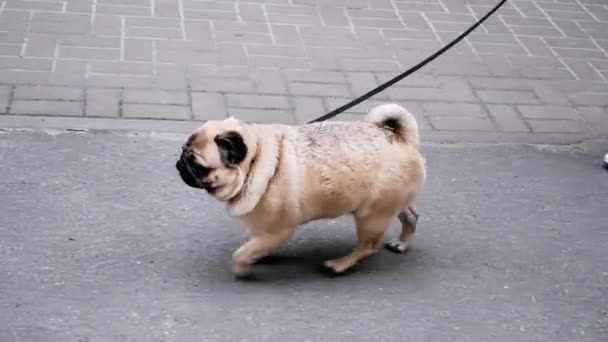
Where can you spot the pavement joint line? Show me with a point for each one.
(522, 118)
(11, 98)
(122, 37)
(585, 9)
(180, 6)
(85, 92)
(190, 101)
(121, 99)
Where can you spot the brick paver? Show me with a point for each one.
(537, 71)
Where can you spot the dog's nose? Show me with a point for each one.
(180, 164)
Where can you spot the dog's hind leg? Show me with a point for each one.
(409, 218)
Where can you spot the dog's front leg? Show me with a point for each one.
(257, 247)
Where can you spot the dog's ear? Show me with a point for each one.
(232, 147)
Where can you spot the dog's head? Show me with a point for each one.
(212, 158)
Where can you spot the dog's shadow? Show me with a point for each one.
(302, 261)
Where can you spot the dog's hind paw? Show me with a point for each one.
(396, 246)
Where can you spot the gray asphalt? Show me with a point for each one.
(100, 241)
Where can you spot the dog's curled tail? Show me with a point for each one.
(397, 119)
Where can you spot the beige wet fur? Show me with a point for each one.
(275, 177)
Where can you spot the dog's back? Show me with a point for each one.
(346, 166)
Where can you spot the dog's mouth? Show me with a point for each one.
(209, 188)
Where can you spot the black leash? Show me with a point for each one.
(410, 71)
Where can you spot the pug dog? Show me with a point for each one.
(275, 177)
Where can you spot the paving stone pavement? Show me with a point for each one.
(535, 72)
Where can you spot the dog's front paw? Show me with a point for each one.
(241, 270)
(334, 268)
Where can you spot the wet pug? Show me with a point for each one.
(275, 177)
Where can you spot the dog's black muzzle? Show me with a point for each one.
(184, 171)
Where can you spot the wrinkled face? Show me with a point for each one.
(210, 160)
